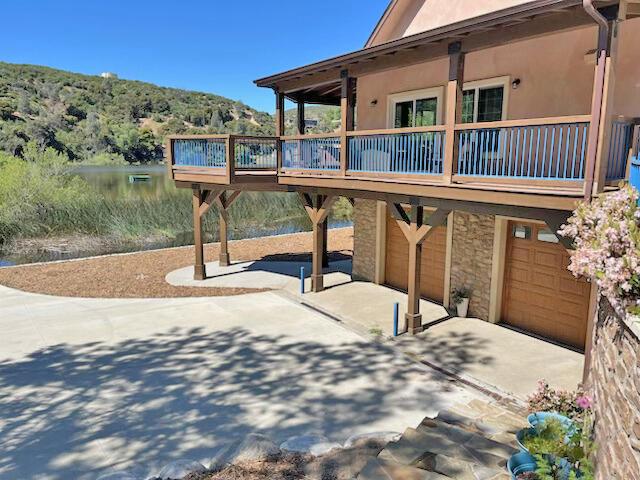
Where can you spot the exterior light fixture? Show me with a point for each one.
(516, 83)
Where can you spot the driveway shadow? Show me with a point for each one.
(71, 411)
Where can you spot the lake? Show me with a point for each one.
(254, 214)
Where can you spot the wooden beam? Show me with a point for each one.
(347, 115)
(199, 268)
(279, 116)
(318, 208)
(209, 199)
(453, 108)
(300, 117)
(607, 112)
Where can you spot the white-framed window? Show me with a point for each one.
(417, 108)
(485, 100)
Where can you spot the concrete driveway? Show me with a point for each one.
(88, 386)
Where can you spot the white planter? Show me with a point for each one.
(463, 308)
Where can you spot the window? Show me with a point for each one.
(521, 231)
(485, 100)
(546, 235)
(418, 108)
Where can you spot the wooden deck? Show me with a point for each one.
(533, 163)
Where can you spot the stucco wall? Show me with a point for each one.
(555, 77)
(615, 381)
(471, 259)
(364, 240)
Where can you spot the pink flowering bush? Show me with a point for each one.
(606, 235)
(575, 405)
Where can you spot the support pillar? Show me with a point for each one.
(601, 108)
(223, 201)
(224, 247)
(199, 268)
(317, 207)
(416, 231)
(279, 116)
(347, 116)
(300, 122)
(325, 243)
(453, 108)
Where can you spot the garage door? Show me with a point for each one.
(432, 264)
(540, 295)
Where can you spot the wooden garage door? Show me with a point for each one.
(540, 295)
(432, 264)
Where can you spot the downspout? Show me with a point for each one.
(598, 87)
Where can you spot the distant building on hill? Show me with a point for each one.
(109, 75)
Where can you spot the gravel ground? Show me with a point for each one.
(142, 274)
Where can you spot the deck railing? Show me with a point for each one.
(255, 153)
(311, 152)
(538, 149)
(619, 149)
(199, 152)
(418, 151)
(549, 152)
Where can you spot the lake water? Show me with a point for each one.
(117, 182)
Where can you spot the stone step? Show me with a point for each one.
(488, 419)
(458, 469)
(415, 444)
(468, 437)
(380, 469)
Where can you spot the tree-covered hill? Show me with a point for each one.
(108, 120)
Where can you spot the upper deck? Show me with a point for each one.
(533, 162)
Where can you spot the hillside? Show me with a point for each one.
(326, 116)
(108, 120)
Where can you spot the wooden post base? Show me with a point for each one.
(199, 272)
(317, 283)
(223, 260)
(414, 323)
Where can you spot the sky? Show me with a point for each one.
(212, 46)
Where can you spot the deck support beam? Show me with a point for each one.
(318, 208)
(199, 268)
(601, 109)
(279, 116)
(453, 108)
(416, 231)
(223, 201)
(347, 116)
(300, 115)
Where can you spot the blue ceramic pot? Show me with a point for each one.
(537, 418)
(521, 462)
(521, 434)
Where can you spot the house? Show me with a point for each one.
(480, 125)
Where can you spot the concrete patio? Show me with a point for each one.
(491, 356)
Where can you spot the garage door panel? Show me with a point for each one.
(540, 294)
(432, 264)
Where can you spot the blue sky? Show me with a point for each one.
(213, 46)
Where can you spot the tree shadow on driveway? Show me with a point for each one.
(72, 411)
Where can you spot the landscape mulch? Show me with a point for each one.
(142, 274)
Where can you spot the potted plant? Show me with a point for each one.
(460, 298)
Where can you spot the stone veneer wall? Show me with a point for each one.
(614, 379)
(364, 240)
(471, 259)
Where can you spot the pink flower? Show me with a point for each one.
(584, 402)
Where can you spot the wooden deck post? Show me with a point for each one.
(279, 116)
(453, 108)
(300, 112)
(199, 268)
(325, 242)
(317, 207)
(223, 201)
(223, 259)
(416, 231)
(601, 110)
(347, 117)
